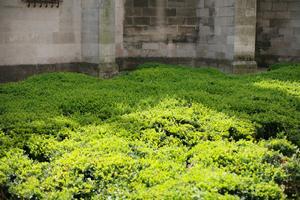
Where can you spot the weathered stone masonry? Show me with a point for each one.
(218, 33)
(159, 29)
(91, 36)
(215, 44)
(149, 25)
(278, 31)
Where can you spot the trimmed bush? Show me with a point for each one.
(160, 132)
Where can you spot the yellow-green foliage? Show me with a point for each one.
(160, 132)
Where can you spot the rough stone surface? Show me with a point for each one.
(90, 29)
(160, 28)
(216, 29)
(278, 31)
(79, 31)
(107, 46)
(39, 35)
(244, 36)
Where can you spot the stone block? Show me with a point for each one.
(128, 21)
(203, 12)
(244, 67)
(141, 3)
(279, 6)
(128, 3)
(265, 6)
(294, 6)
(296, 31)
(151, 46)
(295, 22)
(63, 38)
(149, 12)
(171, 12)
(228, 3)
(186, 12)
(176, 3)
(225, 12)
(141, 20)
(200, 4)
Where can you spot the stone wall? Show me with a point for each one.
(216, 29)
(278, 31)
(39, 35)
(193, 32)
(227, 34)
(90, 29)
(160, 28)
(119, 24)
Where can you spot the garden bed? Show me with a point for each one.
(165, 132)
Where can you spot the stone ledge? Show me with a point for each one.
(244, 67)
(131, 63)
(12, 73)
(108, 70)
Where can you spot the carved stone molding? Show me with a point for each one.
(41, 3)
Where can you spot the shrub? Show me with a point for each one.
(159, 132)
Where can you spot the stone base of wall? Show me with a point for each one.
(267, 60)
(14, 73)
(20, 72)
(244, 67)
(108, 70)
(131, 63)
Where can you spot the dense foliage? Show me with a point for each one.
(161, 131)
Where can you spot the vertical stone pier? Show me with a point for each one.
(161, 21)
(245, 35)
(107, 50)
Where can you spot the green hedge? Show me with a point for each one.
(160, 132)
